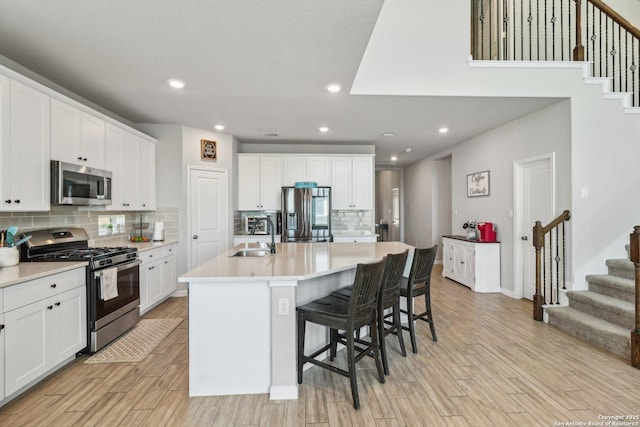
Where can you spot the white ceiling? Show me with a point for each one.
(255, 66)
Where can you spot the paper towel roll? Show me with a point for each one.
(158, 231)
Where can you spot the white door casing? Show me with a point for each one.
(534, 197)
(208, 210)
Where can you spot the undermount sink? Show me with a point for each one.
(250, 253)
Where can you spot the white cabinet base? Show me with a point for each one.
(473, 264)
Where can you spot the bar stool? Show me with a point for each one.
(389, 297)
(348, 316)
(419, 283)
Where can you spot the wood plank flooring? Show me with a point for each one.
(492, 365)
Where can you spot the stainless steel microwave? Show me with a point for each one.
(79, 185)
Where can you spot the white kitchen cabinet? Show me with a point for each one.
(294, 169)
(45, 324)
(131, 160)
(26, 137)
(157, 276)
(2, 350)
(259, 182)
(147, 175)
(319, 170)
(473, 264)
(356, 239)
(76, 136)
(352, 183)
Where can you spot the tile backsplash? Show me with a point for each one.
(71, 216)
(347, 221)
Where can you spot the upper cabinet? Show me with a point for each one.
(352, 183)
(294, 169)
(25, 132)
(76, 136)
(306, 168)
(319, 170)
(259, 182)
(131, 160)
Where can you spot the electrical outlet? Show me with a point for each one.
(283, 306)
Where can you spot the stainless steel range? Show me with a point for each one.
(113, 279)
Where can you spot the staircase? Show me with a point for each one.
(604, 314)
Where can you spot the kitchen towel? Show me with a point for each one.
(109, 284)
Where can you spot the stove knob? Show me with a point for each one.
(101, 262)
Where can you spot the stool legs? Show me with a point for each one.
(301, 331)
(427, 303)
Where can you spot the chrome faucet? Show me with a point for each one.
(272, 246)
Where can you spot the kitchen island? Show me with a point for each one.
(242, 317)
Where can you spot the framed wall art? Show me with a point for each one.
(208, 150)
(478, 184)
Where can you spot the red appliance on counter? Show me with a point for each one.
(486, 232)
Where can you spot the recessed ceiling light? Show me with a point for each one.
(443, 130)
(175, 83)
(334, 87)
(219, 127)
(394, 158)
(388, 134)
(407, 150)
(323, 129)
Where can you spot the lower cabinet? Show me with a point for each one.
(2, 347)
(157, 276)
(41, 334)
(473, 264)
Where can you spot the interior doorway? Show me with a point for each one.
(389, 211)
(441, 202)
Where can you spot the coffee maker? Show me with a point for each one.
(486, 232)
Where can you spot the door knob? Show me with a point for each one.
(195, 236)
(524, 238)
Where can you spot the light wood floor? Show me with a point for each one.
(492, 366)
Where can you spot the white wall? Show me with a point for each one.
(604, 141)
(542, 132)
(441, 201)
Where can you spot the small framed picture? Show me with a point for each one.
(478, 184)
(208, 150)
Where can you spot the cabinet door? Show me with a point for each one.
(147, 183)
(2, 350)
(362, 183)
(457, 267)
(113, 163)
(30, 149)
(469, 266)
(341, 176)
(270, 183)
(319, 170)
(150, 284)
(248, 183)
(5, 143)
(26, 344)
(66, 132)
(130, 172)
(169, 279)
(93, 147)
(294, 169)
(447, 259)
(67, 326)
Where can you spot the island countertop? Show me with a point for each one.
(292, 261)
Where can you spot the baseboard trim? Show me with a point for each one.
(283, 392)
(180, 293)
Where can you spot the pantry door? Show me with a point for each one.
(208, 210)
(534, 201)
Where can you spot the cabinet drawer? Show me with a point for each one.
(150, 255)
(168, 250)
(38, 289)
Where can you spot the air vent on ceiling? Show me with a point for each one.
(271, 134)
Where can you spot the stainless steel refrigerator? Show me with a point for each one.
(306, 214)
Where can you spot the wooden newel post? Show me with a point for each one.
(634, 255)
(578, 50)
(538, 243)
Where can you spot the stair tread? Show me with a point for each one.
(607, 278)
(602, 299)
(591, 321)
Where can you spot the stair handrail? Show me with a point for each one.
(539, 232)
(634, 256)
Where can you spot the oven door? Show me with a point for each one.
(104, 311)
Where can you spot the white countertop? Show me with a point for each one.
(33, 270)
(146, 246)
(292, 261)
